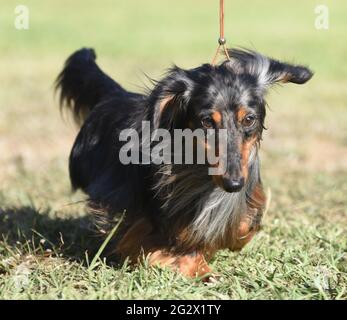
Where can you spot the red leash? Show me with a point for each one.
(221, 40)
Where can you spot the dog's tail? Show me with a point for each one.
(82, 84)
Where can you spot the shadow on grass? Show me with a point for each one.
(37, 231)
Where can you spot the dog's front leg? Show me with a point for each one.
(141, 241)
(250, 222)
(190, 265)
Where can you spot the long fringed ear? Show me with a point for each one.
(267, 70)
(285, 72)
(170, 97)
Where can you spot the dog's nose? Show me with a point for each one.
(233, 185)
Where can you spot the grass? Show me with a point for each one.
(47, 244)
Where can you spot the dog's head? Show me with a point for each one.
(229, 96)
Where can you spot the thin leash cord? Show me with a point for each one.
(221, 40)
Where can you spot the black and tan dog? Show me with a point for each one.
(176, 215)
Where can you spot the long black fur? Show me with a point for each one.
(105, 108)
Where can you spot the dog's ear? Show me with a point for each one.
(267, 70)
(170, 98)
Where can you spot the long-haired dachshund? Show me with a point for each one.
(177, 215)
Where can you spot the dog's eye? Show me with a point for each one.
(248, 121)
(207, 122)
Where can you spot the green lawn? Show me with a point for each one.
(46, 237)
